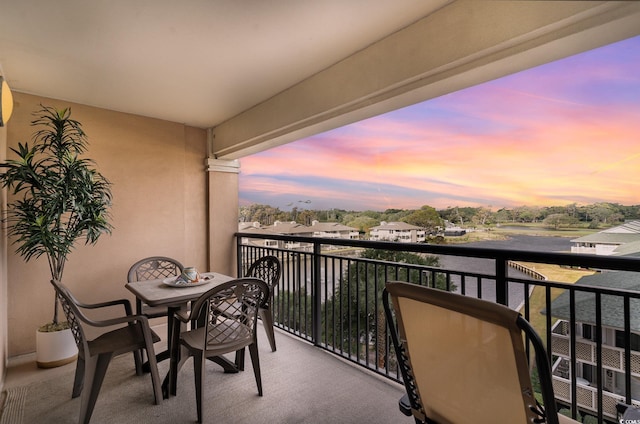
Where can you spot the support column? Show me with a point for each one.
(223, 214)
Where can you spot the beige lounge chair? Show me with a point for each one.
(463, 360)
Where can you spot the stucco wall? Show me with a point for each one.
(159, 208)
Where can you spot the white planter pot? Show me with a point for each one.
(55, 348)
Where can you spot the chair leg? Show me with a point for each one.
(155, 376)
(138, 358)
(95, 372)
(78, 381)
(255, 361)
(198, 372)
(267, 323)
(140, 352)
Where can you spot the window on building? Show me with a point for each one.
(587, 332)
(634, 340)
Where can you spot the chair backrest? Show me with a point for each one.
(230, 311)
(267, 268)
(154, 267)
(72, 313)
(463, 359)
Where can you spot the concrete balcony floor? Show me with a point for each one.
(301, 384)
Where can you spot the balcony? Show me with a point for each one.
(328, 302)
(302, 384)
(330, 296)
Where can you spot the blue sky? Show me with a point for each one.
(565, 132)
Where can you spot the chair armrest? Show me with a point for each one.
(125, 302)
(116, 321)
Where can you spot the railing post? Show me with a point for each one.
(502, 296)
(317, 291)
(573, 366)
(599, 368)
(627, 349)
(239, 256)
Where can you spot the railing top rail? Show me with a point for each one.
(622, 263)
(602, 290)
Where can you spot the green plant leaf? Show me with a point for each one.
(59, 196)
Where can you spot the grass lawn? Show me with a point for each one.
(540, 229)
(477, 236)
(503, 233)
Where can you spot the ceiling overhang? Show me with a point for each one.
(458, 46)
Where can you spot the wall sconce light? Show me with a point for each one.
(6, 102)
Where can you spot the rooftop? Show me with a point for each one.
(625, 238)
(612, 306)
(396, 226)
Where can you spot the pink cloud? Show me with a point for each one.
(548, 136)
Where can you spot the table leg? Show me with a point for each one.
(161, 356)
(169, 386)
(228, 366)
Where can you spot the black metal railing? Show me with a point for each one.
(330, 295)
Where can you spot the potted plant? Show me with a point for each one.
(59, 198)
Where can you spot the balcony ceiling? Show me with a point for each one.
(198, 62)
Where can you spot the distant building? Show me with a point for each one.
(334, 230)
(255, 227)
(318, 229)
(292, 228)
(612, 318)
(397, 231)
(621, 240)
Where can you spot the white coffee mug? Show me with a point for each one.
(190, 274)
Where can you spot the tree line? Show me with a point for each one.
(597, 215)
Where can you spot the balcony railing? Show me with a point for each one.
(330, 295)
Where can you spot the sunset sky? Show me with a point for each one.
(565, 132)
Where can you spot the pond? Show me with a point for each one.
(487, 266)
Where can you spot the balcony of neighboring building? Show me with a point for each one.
(586, 353)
